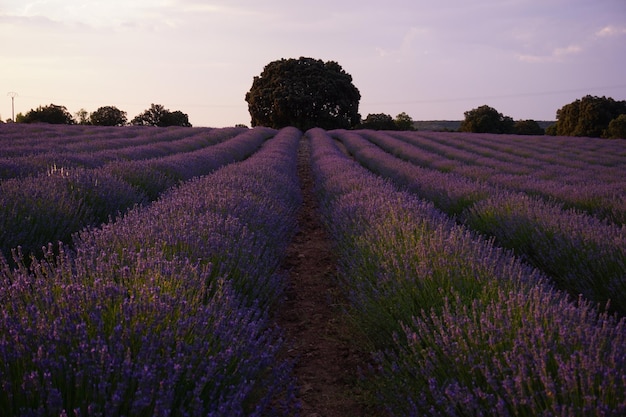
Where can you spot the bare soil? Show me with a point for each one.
(319, 339)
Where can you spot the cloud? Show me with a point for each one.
(191, 7)
(610, 31)
(406, 46)
(568, 50)
(90, 13)
(588, 42)
(556, 55)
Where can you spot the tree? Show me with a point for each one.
(485, 119)
(617, 127)
(303, 93)
(175, 118)
(378, 121)
(157, 115)
(108, 116)
(82, 117)
(551, 130)
(150, 117)
(404, 122)
(52, 113)
(527, 127)
(588, 116)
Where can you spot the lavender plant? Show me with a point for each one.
(73, 147)
(520, 354)
(202, 218)
(38, 210)
(144, 324)
(573, 176)
(582, 254)
(51, 207)
(153, 176)
(457, 326)
(157, 344)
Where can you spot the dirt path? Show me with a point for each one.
(326, 358)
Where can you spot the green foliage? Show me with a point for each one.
(527, 127)
(404, 122)
(551, 130)
(82, 117)
(382, 121)
(108, 116)
(485, 119)
(304, 93)
(52, 114)
(617, 127)
(157, 115)
(378, 121)
(588, 116)
(175, 118)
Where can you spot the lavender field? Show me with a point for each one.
(140, 269)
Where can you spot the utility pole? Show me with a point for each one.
(12, 94)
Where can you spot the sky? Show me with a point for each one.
(432, 59)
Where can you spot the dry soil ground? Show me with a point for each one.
(319, 339)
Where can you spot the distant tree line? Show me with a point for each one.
(382, 121)
(485, 119)
(590, 116)
(307, 93)
(156, 115)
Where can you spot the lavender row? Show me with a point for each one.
(153, 176)
(49, 208)
(164, 311)
(581, 253)
(577, 172)
(451, 193)
(205, 219)
(96, 148)
(28, 139)
(564, 152)
(458, 326)
(590, 186)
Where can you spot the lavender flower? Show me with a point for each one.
(457, 326)
(164, 310)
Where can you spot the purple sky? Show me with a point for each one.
(433, 59)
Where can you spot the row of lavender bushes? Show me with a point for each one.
(50, 207)
(164, 312)
(574, 176)
(28, 150)
(583, 254)
(536, 156)
(456, 325)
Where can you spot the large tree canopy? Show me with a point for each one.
(485, 119)
(108, 116)
(157, 115)
(588, 116)
(527, 127)
(52, 113)
(304, 93)
(617, 127)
